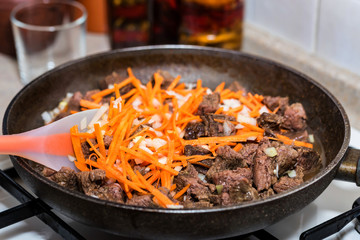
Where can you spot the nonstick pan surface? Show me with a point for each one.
(326, 118)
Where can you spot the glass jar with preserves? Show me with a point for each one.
(216, 23)
(129, 23)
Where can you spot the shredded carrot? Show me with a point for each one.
(87, 104)
(289, 141)
(159, 195)
(181, 192)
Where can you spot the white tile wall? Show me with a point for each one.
(339, 33)
(294, 20)
(329, 29)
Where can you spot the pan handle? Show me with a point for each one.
(349, 169)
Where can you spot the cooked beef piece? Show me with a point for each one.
(269, 121)
(308, 158)
(287, 182)
(266, 193)
(226, 159)
(235, 86)
(198, 190)
(294, 117)
(200, 204)
(194, 130)
(88, 94)
(248, 152)
(107, 140)
(74, 102)
(93, 183)
(90, 180)
(111, 192)
(228, 177)
(286, 157)
(110, 79)
(45, 171)
(209, 104)
(85, 147)
(263, 169)
(231, 156)
(66, 177)
(141, 200)
(190, 150)
(168, 79)
(222, 117)
(212, 127)
(243, 191)
(189, 171)
(276, 102)
(237, 191)
(229, 128)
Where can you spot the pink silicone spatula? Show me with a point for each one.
(49, 145)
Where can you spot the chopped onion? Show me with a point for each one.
(291, 173)
(71, 158)
(98, 114)
(46, 116)
(263, 109)
(136, 103)
(173, 206)
(232, 103)
(178, 168)
(205, 146)
(242, 118)
(190, 85)
(163, 160)
(219, 188)
(276, 170)
(270, 152)
(311, 138)
(227, 128)
(201, 176)
(245, 111)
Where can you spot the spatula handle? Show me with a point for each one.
(18, 144)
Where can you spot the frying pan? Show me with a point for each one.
(327, 119)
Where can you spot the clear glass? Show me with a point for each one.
(47, 33)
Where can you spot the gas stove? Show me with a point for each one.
(336, 199)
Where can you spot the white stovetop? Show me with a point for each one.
(336, 199)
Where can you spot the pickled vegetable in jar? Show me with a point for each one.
(216, 23)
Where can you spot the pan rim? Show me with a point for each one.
(332, 164)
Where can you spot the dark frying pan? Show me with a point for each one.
(326, 116)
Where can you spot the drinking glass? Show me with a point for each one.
(47, 33)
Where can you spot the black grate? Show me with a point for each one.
(31, 206)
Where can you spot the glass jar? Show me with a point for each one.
(166, 21)
(129, 23)
(216, 23)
